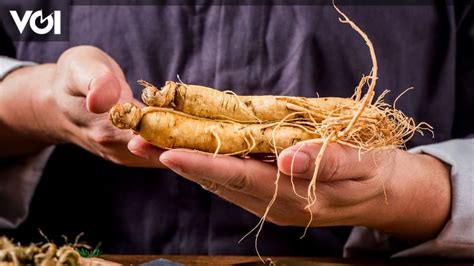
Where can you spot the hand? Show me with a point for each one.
(67, 102)
(349, 191)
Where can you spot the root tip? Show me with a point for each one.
(153, 96)
(125, 116)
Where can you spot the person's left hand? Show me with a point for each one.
(349, 191)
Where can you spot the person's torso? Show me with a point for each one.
(280, 50)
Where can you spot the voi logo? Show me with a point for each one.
(53, 21)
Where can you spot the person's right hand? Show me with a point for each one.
(67, 102)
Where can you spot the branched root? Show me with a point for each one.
(390, 129)
(358, 122)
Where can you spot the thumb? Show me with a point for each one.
(104, 92)
(339, 162)
(91, 74)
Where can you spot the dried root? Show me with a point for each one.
(47, 254)
(180, 115)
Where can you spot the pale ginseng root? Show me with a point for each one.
(196, 117)
(365, 136)
(377, 125)
(168, 129)
(197, 101)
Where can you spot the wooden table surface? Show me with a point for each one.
(249, 261)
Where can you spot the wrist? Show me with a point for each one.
(23, 127)
(419, 198)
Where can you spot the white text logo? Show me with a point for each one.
(53, 21)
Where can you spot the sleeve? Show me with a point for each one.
(8, 64)
(456, 240)
(18, 180)
(18, 176)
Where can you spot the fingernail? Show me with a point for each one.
(164, 159)
(207, 185)
(300, 162)
(140, 153)
(134, 147)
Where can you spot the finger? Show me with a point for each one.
(286, 213)
(140, 147)
(104, 92)
(243, 175)
(91, 74)
(247, 183)
(129, 159)
(248, 202)
(339, 162)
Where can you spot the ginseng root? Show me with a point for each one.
(189, 116)
(210, 103)
(165, 128)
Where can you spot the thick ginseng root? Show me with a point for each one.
(197, 117)
(168, 129)
(197, 101)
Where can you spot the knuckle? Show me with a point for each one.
(67, 54)
(103, 137)
(209, 186)
(240, 180)
(332, 165)
(70, 59)
(297, 216)
(78, 50)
